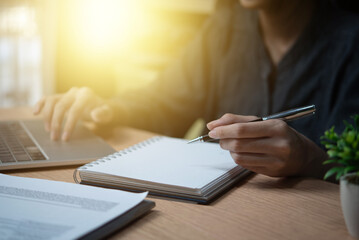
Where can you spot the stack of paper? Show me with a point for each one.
(42, 209)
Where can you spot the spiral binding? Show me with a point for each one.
(117, 154)
(75, 176)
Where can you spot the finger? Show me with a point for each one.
(259, 129)
(71, 121)
(48, 110)
(229, 118)
(74, 114)
(103, 114)
(272, 164)
(39, 105)
(61, 108)
(252, 159)
(272, 146)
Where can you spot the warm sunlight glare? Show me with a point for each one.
(114, 46)
(99, 24)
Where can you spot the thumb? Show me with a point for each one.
(103, 114)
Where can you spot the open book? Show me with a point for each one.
(42, 209)
(167, 167)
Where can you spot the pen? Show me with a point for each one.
(286, 116)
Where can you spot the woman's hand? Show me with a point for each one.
(77, 103)
(268, 147)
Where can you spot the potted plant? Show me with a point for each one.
(343, 151)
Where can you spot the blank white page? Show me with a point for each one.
(168, 161)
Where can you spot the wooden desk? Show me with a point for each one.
(258, 208)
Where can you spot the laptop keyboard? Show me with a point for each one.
(16, 145)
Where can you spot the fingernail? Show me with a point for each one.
(212, 124)
(65, 136)
(213, 134)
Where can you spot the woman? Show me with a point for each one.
(252, 58)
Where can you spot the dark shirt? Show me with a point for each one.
(226, 69)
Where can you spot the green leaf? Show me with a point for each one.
(330, 161)
(327, 175)
(330, 146)
(342, 155)
(330, 134)
(349, 169)
(342, 149)
(340, 143)
(350, 137)
(348, 126)
(332, 153)
(347, 150)
(333, 171)
(340, 173)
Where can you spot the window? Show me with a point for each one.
(22, 52)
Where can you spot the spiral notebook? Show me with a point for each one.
(167, 167)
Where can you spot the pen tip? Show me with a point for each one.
(194, 140)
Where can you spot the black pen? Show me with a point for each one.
(289, 115)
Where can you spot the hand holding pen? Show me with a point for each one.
(266, 145)
(288, 115)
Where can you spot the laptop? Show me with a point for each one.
(26, 144)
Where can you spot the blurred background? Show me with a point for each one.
(49, 46)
